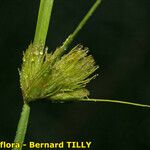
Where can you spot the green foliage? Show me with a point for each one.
(56, 76)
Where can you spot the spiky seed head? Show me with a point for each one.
(56, 76)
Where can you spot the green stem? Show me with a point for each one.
(40, 37)
(115, 101)
(22, 126)
(81, 24)
(44, 16)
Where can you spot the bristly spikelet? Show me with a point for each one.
(56, 76)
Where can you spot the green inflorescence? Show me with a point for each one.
(56, 76)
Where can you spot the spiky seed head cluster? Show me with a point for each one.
(55, 75)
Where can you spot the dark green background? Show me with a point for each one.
(118, 36)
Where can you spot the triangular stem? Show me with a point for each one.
(44, 16)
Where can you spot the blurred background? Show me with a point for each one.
(118, 37)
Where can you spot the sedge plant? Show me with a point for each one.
(56, 76)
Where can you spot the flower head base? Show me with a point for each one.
(56, 76)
